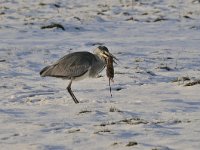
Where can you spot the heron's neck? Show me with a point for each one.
(101, 58)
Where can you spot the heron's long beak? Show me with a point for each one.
(107, 54)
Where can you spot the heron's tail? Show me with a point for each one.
(45, 71)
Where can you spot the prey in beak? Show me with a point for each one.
(109, 58)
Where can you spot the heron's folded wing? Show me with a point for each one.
(72, 65)
(68, 71)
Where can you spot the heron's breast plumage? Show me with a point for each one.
(97, 66)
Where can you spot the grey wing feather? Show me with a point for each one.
(69, 66)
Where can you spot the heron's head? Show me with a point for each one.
(103, 52)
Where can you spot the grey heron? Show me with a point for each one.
(78, 65)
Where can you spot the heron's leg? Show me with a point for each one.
(71, 93)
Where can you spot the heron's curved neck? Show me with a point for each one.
(101, 58)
